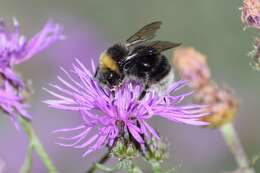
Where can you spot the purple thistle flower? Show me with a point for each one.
(15, 49)
(109, 117)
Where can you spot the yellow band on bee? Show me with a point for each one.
(106, 61)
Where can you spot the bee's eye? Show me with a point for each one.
(110, 76)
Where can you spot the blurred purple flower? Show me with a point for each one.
(14, 49)
(109, 117)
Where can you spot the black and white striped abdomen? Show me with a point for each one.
(161, 76)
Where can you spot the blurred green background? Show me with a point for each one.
(213, 27)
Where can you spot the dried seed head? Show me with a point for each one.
(192, 66)
(250, 15)
(222, 104)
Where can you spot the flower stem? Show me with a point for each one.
(27, 165)
(102, 160)
(36, 144)
(132, 168)
(156, 167)
(234, 144)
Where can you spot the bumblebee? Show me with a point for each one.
(137, 59)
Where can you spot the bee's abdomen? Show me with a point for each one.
(161, 70)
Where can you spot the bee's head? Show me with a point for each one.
(109, 78)
(109, 73)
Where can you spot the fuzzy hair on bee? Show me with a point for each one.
(138, 60)
(110, 70)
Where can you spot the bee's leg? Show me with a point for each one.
(95, 75)
(113, 92)
(143, 93)
(146, 87)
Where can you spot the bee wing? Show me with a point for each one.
(163, 45)
(160, 46)
(145, 33)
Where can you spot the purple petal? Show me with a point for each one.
(49, 34)
(133, 130)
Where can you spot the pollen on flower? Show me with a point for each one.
(107, 118)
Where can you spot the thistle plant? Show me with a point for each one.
(119, 120)
(15, 49)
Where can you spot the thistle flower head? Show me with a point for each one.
(14, 49)
(250, 15)
(121, 115)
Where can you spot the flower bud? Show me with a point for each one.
(155, 151)
(124, 149)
